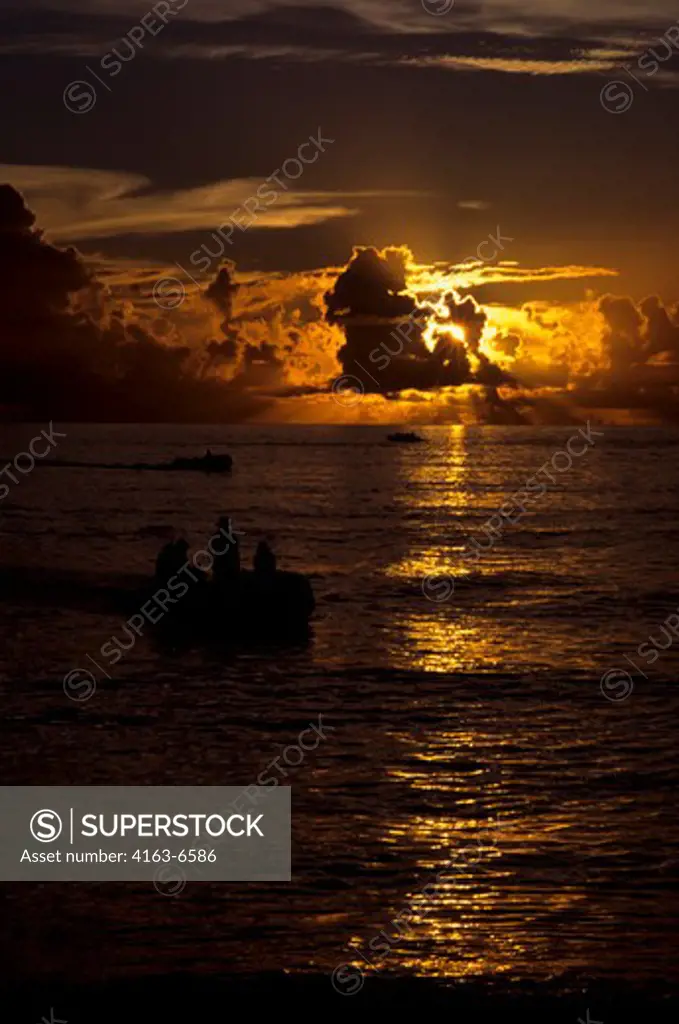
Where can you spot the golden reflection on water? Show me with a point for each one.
(467, 915)
(442, 476)
(440, 630)
(481, 898)
(434, 643)
(472, 909)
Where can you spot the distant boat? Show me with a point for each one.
(207, 463)
(405, 438)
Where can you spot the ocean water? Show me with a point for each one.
(478, 784)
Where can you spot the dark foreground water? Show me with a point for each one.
(468, 738)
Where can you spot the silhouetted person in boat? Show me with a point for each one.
(226, 568)
(172, 559)
(168, 562)
(264, 562)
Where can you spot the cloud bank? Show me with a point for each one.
(85, 340)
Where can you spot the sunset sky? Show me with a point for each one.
(445, 128)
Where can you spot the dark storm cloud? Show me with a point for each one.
(639, 336)
(468, 314)
(258, 364)
(35, 278)
(221, 291)
(222, 351)
(662, 329)
(372, 285)
(622, 339)
(385, 328)
(62, 356)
